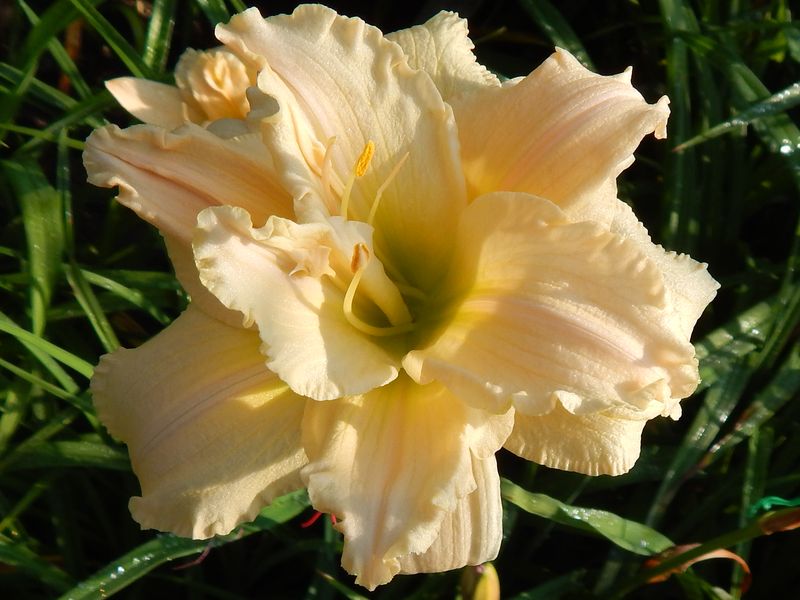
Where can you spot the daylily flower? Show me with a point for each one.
(398, 266)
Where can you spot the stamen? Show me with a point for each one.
(358, 263)
(383, 187)
(358, 171)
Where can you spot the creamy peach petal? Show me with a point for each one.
(340, 85)
(168, 178)
(602, 443)
(214, 82)
(391, 465)
(559, 133)
(470, 534)
(181, 256)
(213, 436)
(554, 312)
(151, 102)
(441, 47)
(283, 278)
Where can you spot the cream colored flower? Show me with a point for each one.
(210, 85)
(397, 267)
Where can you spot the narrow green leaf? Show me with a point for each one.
(22, 558)
(55, 455)
(718, 405)
(114, 39)
(61, 355)
(557, 29)
(159, 35)
(778, 103)
(215, 10)
(94, 312)
(42, 212)
(721, 349)
(78, 114)
(58, 52)
(774, 396)
(130, 567)
(629, 535)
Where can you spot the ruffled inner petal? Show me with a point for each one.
(441, 47)
(391, 465)
(213, 436)
(602, 443)
(290, 280)
(549, 311)
(470, 534)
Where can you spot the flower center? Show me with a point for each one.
(382, 282)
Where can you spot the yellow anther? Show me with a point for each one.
(360, 257)
(366, 157)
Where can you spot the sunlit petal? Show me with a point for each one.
(168, 178)
(555, 311)
(151, 102)
(602, 443)
(442, 48)
(336, 77)
(558, 133)
(179, 402)
(390, 465)
(282, 278)
(470, 534)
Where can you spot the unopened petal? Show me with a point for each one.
(151, 102)
(341, 85)
(213, 436)
(282, 278)
(470, 534)
(555, 312)
(391, 465)
(168, 178)
(441, 47)
(559, 133)
(602, 443)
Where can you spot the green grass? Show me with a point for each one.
(80, 276)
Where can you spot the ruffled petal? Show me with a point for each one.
(151, 102)
(551, 311)
(283, 277)
(559, 133)
(391, 465)
(168, 178)
(214, 82)
(602, 443)
(441, 47)
(470, 534)
(341, 85)
(689, 284)
(213, 436)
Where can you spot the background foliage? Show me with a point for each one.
(79, 275)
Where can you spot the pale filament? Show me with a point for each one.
(358, 264)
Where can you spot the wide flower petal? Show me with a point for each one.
(340, 86)
(152, 102)
(284, 278)
(442, 48)
(559, 133)
(553, 311)
(601, 443)
(213, 436)
(168, 178)
(391, 465)
(470, 534)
